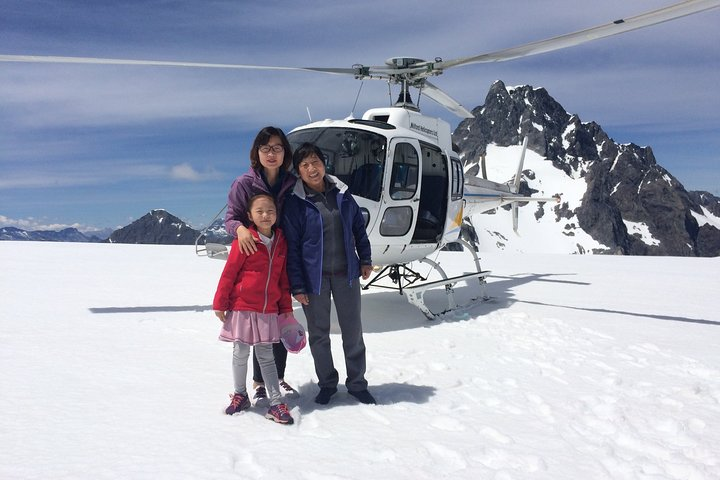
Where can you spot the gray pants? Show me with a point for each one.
(264, 353)
(317, 313)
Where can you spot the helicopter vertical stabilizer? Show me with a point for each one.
(516, 184)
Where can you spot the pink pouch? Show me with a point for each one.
(292, 334)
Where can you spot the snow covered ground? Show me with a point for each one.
(581, 367)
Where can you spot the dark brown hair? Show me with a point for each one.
(262, 138)
(257, 197)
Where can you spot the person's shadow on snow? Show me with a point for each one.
(385, 394)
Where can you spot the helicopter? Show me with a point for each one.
(402, 167)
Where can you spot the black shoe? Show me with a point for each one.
(363, 396)
(323, 398)
(286, 389)
(260, 398)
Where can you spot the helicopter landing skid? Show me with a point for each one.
(406, 280)
(210, 249)
(415, 294)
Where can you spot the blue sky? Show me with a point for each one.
(99, 146)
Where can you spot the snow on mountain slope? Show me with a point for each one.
(540, 230)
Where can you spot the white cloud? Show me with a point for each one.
(185, 171)
(32, 223)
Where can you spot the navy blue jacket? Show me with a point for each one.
(303, 229)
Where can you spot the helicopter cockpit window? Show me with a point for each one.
(403, 182)
(356, 157)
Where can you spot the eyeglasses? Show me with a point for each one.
(271, 148)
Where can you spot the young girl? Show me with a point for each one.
(253, 301)
(270, 159)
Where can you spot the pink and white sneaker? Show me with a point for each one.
(238, 403)
(279, 414)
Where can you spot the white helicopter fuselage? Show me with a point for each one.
(401, 169)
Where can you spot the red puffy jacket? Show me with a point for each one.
(257, 282)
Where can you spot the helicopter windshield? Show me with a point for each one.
(356, 157)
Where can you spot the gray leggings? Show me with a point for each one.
(264, 353)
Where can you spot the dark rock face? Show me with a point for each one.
(216, 233)
(625, 185)
(156, 227)
(706, 200)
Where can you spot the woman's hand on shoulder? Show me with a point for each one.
(246, 242)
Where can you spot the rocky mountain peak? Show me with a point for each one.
(624, 185)
(156, 227)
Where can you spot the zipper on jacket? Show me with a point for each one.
(271, 256)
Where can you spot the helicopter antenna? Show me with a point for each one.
(352, 112)
(308, 112)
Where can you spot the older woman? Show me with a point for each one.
(328, 250)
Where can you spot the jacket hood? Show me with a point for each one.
(299, 190)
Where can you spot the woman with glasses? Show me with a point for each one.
(270, 159)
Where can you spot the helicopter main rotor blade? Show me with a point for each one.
(434, 93)
(159, 63)
(425, 69)
(654, 17)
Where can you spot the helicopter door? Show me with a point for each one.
(399, 210)
(432, 207)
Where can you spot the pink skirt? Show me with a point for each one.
(250, 328)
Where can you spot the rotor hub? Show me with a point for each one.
(403, 62)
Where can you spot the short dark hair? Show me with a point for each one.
(262, 138)
(306, 150)
(257, 197)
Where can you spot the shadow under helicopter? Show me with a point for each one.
(151, 309)
(386, 312)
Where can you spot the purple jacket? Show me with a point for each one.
(243, 188)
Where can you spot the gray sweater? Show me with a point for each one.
(334, 258)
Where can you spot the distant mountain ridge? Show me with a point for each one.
(65, 235)
(622, 183)
(156, 227)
